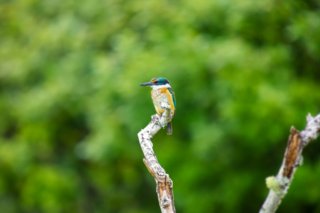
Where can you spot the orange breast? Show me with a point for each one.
(162, 95)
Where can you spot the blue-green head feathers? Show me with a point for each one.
(160, 81)
(156, 82)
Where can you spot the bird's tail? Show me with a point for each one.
(169, 128)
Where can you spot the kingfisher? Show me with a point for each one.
(162, 95)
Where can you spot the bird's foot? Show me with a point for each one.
(165, 105)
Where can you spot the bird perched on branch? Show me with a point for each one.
(163, 98)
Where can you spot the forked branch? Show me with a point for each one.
(163, 181)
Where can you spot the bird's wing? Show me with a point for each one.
(173, 96)
(170, 95)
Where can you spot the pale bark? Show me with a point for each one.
(280, 184)
(164, 184)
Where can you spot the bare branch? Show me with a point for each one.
(164, 183)
(280, 184)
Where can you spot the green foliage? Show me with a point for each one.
(71, 106)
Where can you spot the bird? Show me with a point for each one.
(163, 98)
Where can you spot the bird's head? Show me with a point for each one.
(157, 83)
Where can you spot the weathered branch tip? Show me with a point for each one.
(280, 184)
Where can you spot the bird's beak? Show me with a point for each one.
(146, 84)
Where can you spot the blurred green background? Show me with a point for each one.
(71, 106)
